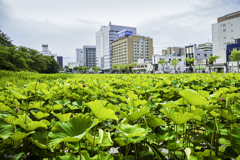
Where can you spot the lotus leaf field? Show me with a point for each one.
(128, 117)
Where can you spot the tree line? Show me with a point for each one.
(19, 58)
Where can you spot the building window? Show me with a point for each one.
(169, 60)
(198, 54)
(180, 59)
(210, 54)
(205, 55)
(232, 37)
(224, 37)
(224, 25)
(231, 30)
(224, 30)
(229, 50)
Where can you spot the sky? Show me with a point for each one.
(69, 24)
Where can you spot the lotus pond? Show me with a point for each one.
(128, 117)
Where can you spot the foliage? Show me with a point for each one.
(174, 62)
(191, 116)
(212, 59)
(163, 62)
(24, 59)
(235, 56)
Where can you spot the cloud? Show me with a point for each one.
(191, 26)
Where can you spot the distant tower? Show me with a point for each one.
(110, 23)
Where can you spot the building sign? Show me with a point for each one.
(125, 33)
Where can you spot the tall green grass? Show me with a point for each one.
(22, 78)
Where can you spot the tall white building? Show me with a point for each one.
(47, 52)
(225, 31)
(79, 57)
(104, 38)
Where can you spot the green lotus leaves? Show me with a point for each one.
(5, 130)
(40, 139)
(228, 115)
(193, 97)
(236, 139)
(152, 121)
(92, 139)
(181, 101)
(57, 107)
(136, 113)
(132, 130)
(100, 111)
(63, 102)
(68, 157)
(71, 131)
(10, 119)
(103, 155)
(36, 104)
(40, 115)
(4, 108)
(105, 138)
(63, 117)
(178, 118)
(34, 125)
(18, 95)
(17, 136)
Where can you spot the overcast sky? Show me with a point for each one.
(69, 24)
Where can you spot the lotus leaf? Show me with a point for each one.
(100, 111)
(3, 107)
(135, 113)
(71, 131)
(40, 115)
(5, 129)
(105, 138)
(178, 118)
(193, 97)
(236, 139)
(132, 130)
(18, 95)
(63, 117)
(103, 155)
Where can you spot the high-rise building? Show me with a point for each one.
(175, 50)
(79, 57)
(225, 31)
(89, 54)
(47, 52)
(128, 49)
(205, 46)
(104, 38)
(191, 51)
(60, 61)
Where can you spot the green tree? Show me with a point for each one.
(75, 69)
(52, 65)
(133, 65)
(114, 67)
(235, 56)
(5, 39)
(120, 67)
(174, 63)
(211, 60)
(162, 62)
(191, 62)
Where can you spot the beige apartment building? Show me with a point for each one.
(173, 50)
(128, 49)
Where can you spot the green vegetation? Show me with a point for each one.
(24, 59)
(190, 61)
(174, 63)
(163, 62)
(235, 56)
(191, 116)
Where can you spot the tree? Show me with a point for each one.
(133, 65)
(114, 67)
(235, 56)
(174, 62)
(120, 67)
(211, 60)
(75, 69)
(191, 62)
(126, 67)
(5, 40)
(162, 62)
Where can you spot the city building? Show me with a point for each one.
(169, 68)
(129, 48)
(89, 55)
(60, 61)
(79, 57)
(164, 52)
(191, 51)
(232, 46)
(104, 38)
(224, 31)
(205, 47)
(47, 52)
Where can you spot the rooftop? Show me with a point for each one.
(229, 16)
